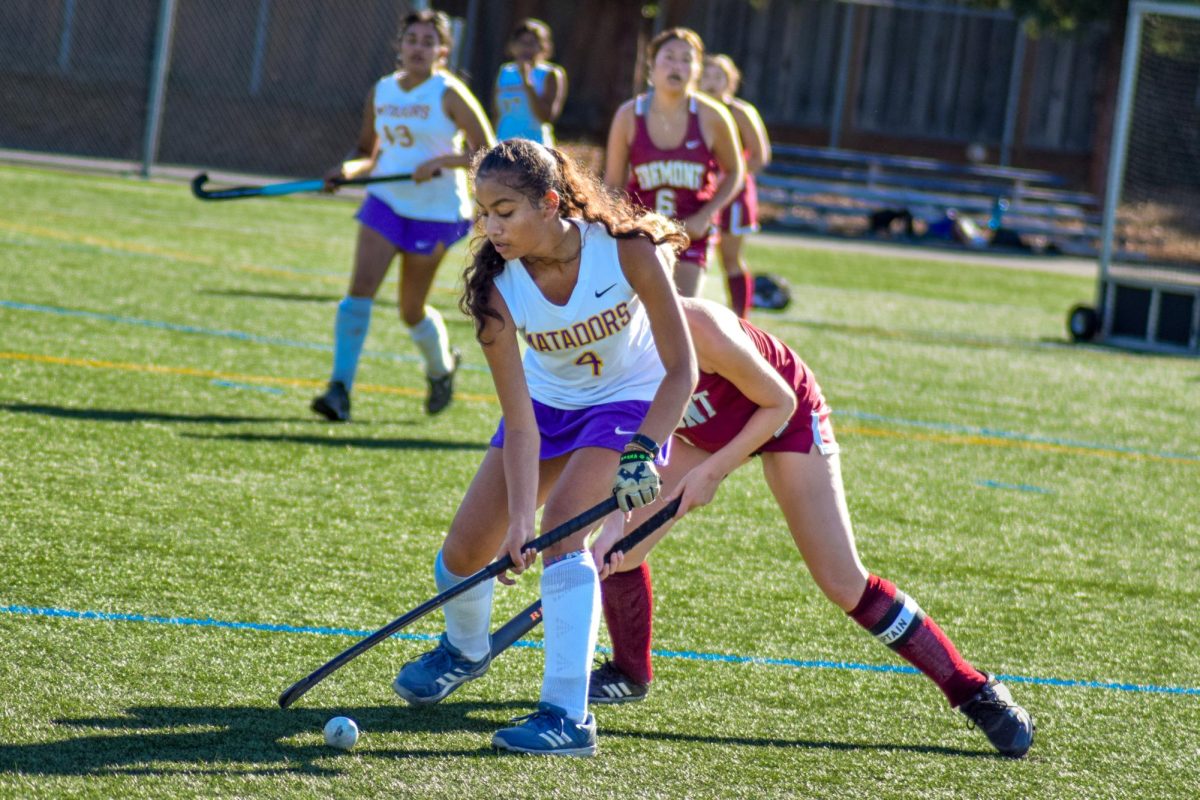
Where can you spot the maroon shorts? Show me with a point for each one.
(741, 216)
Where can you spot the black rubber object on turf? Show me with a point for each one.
(298, 689)
(528, 619)
(277, 189)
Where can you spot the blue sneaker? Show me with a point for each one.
(429, 678)
(550, 732)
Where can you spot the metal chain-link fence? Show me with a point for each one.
(257, 85)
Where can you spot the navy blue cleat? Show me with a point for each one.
(334, 404)
(609, 686)
(1007, 726)
(429, 678)
(548, 731)
(441, 390)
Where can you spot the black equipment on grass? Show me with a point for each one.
(525, 621)
(593, 514)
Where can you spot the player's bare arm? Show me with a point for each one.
(647, 274)
(522, 441)
(361, 159)
(724, 348)
(616, 155)
(721, 135)
(753, 135)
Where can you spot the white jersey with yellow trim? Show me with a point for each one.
(413, 127)
(598, 348)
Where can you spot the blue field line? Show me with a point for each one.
(948, 427)
(683, 655)
(247, 386)
(193, 329)
(1016, 487)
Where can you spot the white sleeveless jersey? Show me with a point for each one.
(412, 128)
(597, 348)
(515, 119)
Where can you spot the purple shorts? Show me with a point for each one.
(608, 425)
(409, 235)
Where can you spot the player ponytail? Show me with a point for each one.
(533, 170)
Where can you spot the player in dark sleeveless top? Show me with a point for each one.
(755, 396)
(675, 150)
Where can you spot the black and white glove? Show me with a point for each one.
(637, 482)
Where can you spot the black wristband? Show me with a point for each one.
(644, 442)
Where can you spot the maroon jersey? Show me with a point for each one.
(676, 182)
(719, 411)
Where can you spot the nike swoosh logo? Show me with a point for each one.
(624, 433)
(598, 294)
(692, 145)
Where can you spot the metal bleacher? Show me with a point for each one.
(821, 188)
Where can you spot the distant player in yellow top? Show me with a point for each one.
(720, 79)
(419, 120)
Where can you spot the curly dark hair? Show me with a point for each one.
(533, 169)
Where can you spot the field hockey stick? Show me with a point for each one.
(508, 633)
(593, 514)
(277, 189)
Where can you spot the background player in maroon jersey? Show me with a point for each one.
(675, 150)
(755, 396)
(720, 79)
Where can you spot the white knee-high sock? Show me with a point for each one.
(571, 608)
(349, 332)
(468, 616)
(433, 341)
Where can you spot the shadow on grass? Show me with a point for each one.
(362, 442)
(244, 740)
(289, 296)
(133, 415)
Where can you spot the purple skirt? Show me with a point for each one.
(609, 425)
(409, 235)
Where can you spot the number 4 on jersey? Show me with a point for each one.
(590, 359)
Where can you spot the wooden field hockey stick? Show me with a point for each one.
(525, 621)
(593, 514)
(277, 189)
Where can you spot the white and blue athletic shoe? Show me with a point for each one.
(429, 678)
(550, 732)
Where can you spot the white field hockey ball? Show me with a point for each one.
(341, 732)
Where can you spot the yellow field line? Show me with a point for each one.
(979, 440)
(96, 363)
(849, 428)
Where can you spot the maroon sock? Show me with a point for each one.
(895, 619)
(741, 292)
(628, 608)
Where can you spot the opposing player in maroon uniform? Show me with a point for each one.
(755, 396)
(675, 149)
(720, 80)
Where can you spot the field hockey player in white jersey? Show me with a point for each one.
(584, 280)
(419, 121)
(530, 91)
